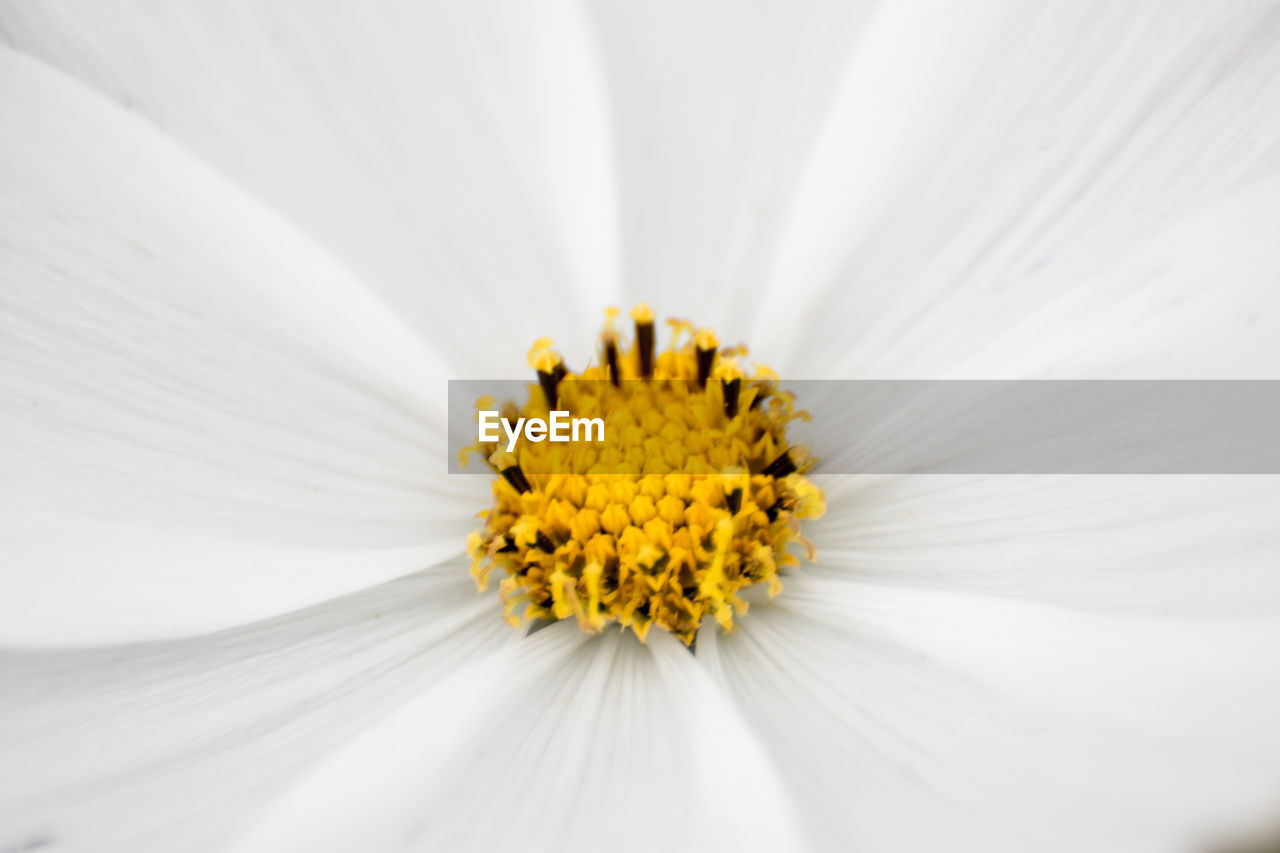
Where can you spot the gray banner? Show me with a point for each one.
(999, 427)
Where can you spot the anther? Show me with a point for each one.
(734, 500)
(780, 467)
(774, 510)
(550, 382)
(611, 358)
(644, 339)
(513, 475)
(732, 390)
(550, 367)
(705, 355)
(730, 376)
(545, 544)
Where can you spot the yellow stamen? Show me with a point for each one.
(694, 495)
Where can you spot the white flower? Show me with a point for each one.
(242, 246)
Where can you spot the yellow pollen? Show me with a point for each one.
(693, 496)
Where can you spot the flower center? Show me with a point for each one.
(693, 495)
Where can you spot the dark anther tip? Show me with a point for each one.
(516, 478)
(706, 358)
(611, 359)
(774, 510)
(732, 391)
(550, 382)
(734, 500)
(781, 467)
(644, 346)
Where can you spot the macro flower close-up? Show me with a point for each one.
(250, 600)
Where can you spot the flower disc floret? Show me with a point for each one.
(694, 495)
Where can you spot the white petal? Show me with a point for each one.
(561, 743)
(1048, 663)
(716, 108)
(206, 420)
(1197, 301)
(1194, 547)
(453, 155)
(179, 745)
(980, 164)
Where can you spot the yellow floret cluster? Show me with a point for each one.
(693, 496)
